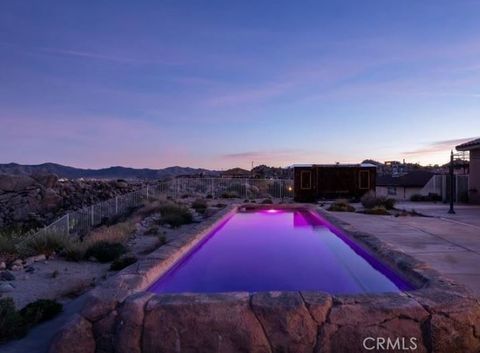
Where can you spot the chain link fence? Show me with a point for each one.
(81, 221)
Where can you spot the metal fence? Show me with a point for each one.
(440, 185)
(81, 221)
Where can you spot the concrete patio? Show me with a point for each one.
(448, 243)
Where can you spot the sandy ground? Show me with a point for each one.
(65, 280)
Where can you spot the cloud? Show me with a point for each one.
(89, 55)
(439, 146)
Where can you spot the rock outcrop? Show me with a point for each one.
(33, 201)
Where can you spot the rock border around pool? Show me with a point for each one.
(120, 316)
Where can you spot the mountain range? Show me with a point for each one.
(104, 173)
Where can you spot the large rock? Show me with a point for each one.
(352, 320)
(129, 328)
(12, 183)
(45, 179)
(288, 324)
(75, 337)
(216, 323)
(51, 200)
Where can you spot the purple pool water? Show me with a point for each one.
(286, 250)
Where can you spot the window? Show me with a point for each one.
(364, 179)
(392, 190)
(306, 180)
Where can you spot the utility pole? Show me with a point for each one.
(452, 184)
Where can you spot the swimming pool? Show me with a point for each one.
(278, 250)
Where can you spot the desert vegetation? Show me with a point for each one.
(341, 205)
(370, 201)
(16, 323)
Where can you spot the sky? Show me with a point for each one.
(221, 84)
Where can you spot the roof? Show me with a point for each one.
(413, 179)
(363, 165)
(470, 145)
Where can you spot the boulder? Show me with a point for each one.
(75, 337)
(7, 276)
(46, 179)
(288, 324)
(222, 323)
(6, 288)
(129, 328)
(51, 200)
(11, 183)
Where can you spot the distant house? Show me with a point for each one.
(474, 169)
(236, 173)
(329, 181)
(404, 186)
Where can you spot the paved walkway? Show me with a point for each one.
(450, 244)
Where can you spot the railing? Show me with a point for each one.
(81, 221)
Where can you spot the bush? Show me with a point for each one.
(341, 206)
(369, 201)
(209, 196)
(431, 197)
(229, 195)
(11, 322)
(175, 215)
(40, 310)
(15, 324)
(377, 210)
(199, 205)
(104, 251)
(74, 251)
(121, 263)
(267, 202)
(162, 240)
(44, 243)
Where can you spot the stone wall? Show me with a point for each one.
(122, 317)
(34, 201)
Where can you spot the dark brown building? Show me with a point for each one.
(329, 181)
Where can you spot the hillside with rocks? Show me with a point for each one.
(31, 201)
(105, 173)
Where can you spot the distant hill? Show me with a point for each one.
(105, 173)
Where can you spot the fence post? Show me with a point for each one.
(147, 192)
(68, 224)
(92, 215)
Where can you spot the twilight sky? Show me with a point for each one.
(217, 84)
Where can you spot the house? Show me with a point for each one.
(329, 181)
(402, 187)
(474, 169)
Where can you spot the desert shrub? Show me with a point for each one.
(369, 201)
(230, 195)
(11, 322)
(8, 245)
(429, 198)
(117, 233)
(15, 324)
(162, 240)
(40, 310)
(44, 243)
(122, 262)
(74, 251)
(175, 215)
(152, 230)
(199, 205)
(266, 202)
(105, 251)
(377, 210)
(209, 196)
(341, 206)
(220, 205)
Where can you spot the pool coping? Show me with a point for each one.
(436, 298)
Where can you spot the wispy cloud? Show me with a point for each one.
(438, 146)
(89, 55)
